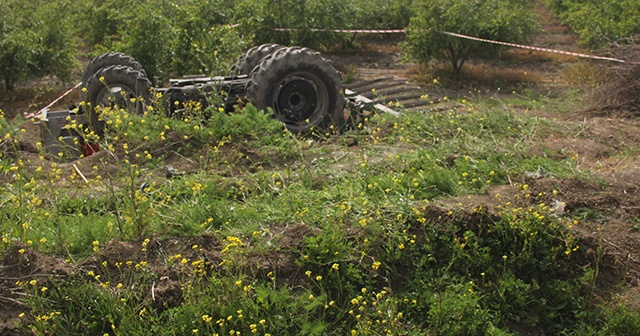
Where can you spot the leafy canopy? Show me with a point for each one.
(35, 40)
(501, 20)
(599, 22)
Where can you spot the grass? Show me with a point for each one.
(270, 233)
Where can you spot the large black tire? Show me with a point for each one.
(108, 59)
(252, 58)
(113, 86)
(302, 87)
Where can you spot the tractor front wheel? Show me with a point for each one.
(116, 86)
(108, 59)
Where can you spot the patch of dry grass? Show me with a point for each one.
(621, 90)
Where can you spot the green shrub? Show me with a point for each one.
(381, 14)
(261, 17)
(600, 23)
(195, 37)
(150, 38)
(620, 320)
(35, 41)
(205, 42)
(457, 311)
(102, 22)
(507, 21)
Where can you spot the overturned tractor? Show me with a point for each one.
(300, 85)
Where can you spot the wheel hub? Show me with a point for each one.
(299, 98)
(116, 95)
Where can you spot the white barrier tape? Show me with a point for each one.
(554, 51)
(395, 31)
(40, 114)
(363, 31)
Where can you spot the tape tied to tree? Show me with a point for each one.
(514, 45)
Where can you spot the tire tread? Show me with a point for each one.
(271, 69)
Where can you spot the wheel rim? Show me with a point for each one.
(301, 98)
(117, 95)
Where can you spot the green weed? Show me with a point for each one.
(372, 255)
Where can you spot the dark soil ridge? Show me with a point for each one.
(608, 228)
(618, 260)
(22, 264)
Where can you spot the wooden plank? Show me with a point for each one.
(368, 91)
(358, 85)
(366, 100)
(405, 89)
(399, 98)
(391, 90)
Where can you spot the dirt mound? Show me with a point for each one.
(165, 260)
(609, 215)
(608, 224)
(21, 264)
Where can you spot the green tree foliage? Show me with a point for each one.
(100, 21)
(167, 37)
(600, 22)
(150, 39)
(262, 16)
(205, 40)
(501, 20)
(195, 36)
(382, 14)
(170, 37)
(35, 40)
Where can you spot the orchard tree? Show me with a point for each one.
(502, 20)
(206, 40)
(35, 41)
(382, 14)
(150, 39)
(101, 22)
(600, 23)
(259, 17)
(16, 47)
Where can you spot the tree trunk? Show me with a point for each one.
(457, 59)
(8, 84)
(454, 56)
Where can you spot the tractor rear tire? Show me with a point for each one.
(107, 59)
(252, 58)
(303, 89)
(116, 86)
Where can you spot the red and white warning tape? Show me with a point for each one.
(42, 113)
(396, 31)
(554, 51)
(351, 31)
